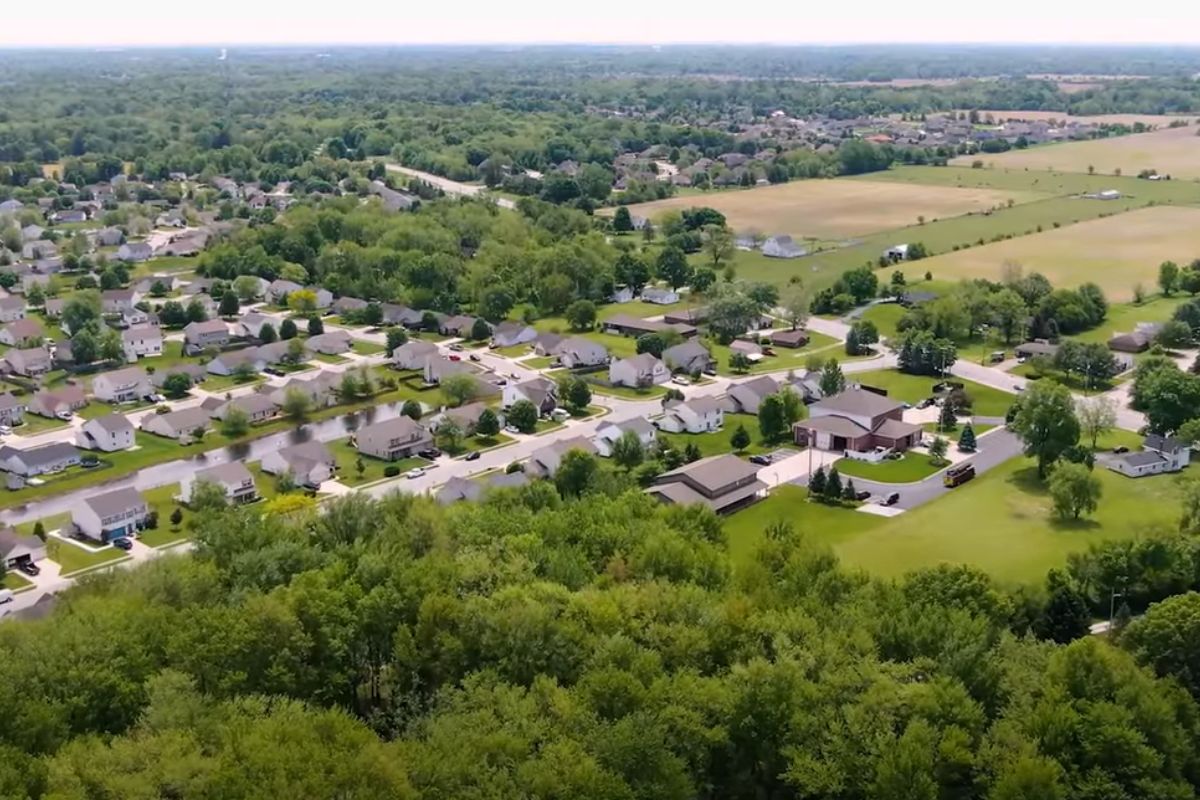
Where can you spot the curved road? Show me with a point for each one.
(450, 187)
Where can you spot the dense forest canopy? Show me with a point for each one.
(600, 647)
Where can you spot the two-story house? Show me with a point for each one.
(608, 433)
(30, 362)
(142, 341)
(118, 301)
(210, 333)
(542, 392)
(857, 421)
(233, 478)
(392, 439)
(111, 515)
(579, 351)
(698, 415)
(638, 371)
(109, 434)
(122, 385)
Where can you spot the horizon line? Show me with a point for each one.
(118, 47)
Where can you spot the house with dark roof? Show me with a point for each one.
(1035, 348)
(724, 483)
(134, 252)
(1136, 341)
(796, 338)
(21, 333)
(542, 392)
(857, 421)
(628, 325)
(257, 408)
(1159, 454)
(184, 423)
(58, 403)
(689, 357)
(458, 489)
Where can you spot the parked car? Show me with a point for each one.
(472, 456)
(272, 371)
(761, 460)
(6, 596)
(5, 430)
(415, 472)
(891, 499)
(458, 348)
(474, 356)
(64, 415)
(862, 494)
(710, 371)
(121, 543)
(926, 402)
(681, 380)
(454, 357)
(29, 568)
(430, 453)
(1120, 449)
(511, 429)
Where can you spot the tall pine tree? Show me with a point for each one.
(816, 483)
(833, 486)
(966, 440)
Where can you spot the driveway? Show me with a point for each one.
(995, 447)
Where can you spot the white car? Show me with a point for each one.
(681, 380)
(5, 430)
(415, 472)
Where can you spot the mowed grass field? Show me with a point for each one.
(1172, 151)
(826, 209)
(1157, 120)
(1115, 253)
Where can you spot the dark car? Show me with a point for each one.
(474, 356)
(862, 494)
(272, 371)
(472, 456)
(762, 460)
(926, 402)
(430, 453)
(29, 568)
(1120, 449)
(892, 499)
(122, 543)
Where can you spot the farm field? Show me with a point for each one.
(837, 208)
(1114, 253)
(1059, 184)
(1173, 151)
(1161, 120)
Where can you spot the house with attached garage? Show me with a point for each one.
(231, 361)
(796, 338)
(413, 355)
(744, 397)
(609, 432)
(109, 434)
(509, 334)
(30, 362)
(250, 325)
(233, 478)
(461, 325)
(186, 422)
(349, 305)
(279, 289)
(698, 415)
(39, 248)
(210, 333)
(134, 252)
(399, 437)
(545, 343)
(12, 309)
(21, 333)
(111, 515)
(58, 403)
(542, 392)
(122, 385)
(579, 351)
(458, 489)
(1159, 454)
(141, 341)
(257, 408)
(689, 357)
(330, 343)
(12, 410)
(31, 233)
(544, 462)
(109, 237)
(16, 549)
(320, 390)
(724, 483)
(401, 315)
(638, 371)
(857, 422)
(43, 460)
(465, 417)
(310, 464)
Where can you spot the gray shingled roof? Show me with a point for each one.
(115, 502)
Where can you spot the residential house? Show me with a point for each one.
(21, 333)
(638, 371)
(857, 421)
(544, 461)
(401, 315)
(109, 433)
(30, 362)
(250, 325)
(437, 368)
(122, 386)
(63, 354)
(12, 410)
(165, 283)
(687, 316)
(349, 305)
(1159, 454)
(68, 215)
(724, 483)
(795, 338)
(12, 309)
(542, 392)
(399, 437)
(324, 297)
(621, 295)
(413, 354)
(31, 233)
(458, 489)
(690, 357)
(751, 350)
(465, 417)
(1038, 347)
(111, 515)
(782, 247)
(544, 344)
(257, 407)
(109, 237)
(185, 423)
(11, 206)
(141, 341)
(460, 325)
(48, 458)
(53, 308)
(210, 333)
(579, 351)
(393, 200)
(745, 397)
(508, 334)
(16, 550)
(626, 325)
(136, 317)
(659, 296)
(609, 432)
(232, 477)
(279, 289)
(229, 362)
(276, 352)
(58, 403)
(310, 464)
(698, 415)
(39, 248)
(1136, 341)
(134, 252)
(330, 343)
(195, 374)
(320, 390)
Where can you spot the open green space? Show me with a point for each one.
(953, 436)
(1124, 317)
(885, 316)
(638, 308)
(472, 444)
(784, 358)
(1048, 182)
(33, 424)
(828, 525)
(326, 358)
(717, 442)
(909, 468)
(541, 362)
(364, 348)
(14, 581)
(986, 401)
(348, 457)
(72, 558)
(647, 393)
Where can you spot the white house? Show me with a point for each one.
(122, 386)
(210, 333)
(689, 357)
(391, 439)
(310, 464)
(109, 433)
(658, 296)
(542, 392)
(698, 415)
(579, 351)
(1159, 454)
(608, 433)
(111, 515)
(141, 341)
(638, 371)
(16, 549)
(48, 458)
(413, 355)
(232, 477)
(118, 301)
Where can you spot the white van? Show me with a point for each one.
(560, 415)
(6, 596)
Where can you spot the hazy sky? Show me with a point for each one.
(153, 22)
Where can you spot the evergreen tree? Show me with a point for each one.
(266, 334)
(816, 483)
(849, 494)
(852, 346)
(833, 486)
(832, 379)
(966, 440)
(691, 453)
(740, 439)
(946, 419)
(287, 329)
(316, 326)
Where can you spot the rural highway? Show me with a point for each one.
(451, 187)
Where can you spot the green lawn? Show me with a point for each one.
(98, 409)
(512, 351)
(326, 358)
(172, 357)
(827, 525)
(541, 362)
(784, 358)
(162, 500)
(987, 402)
(347, 458)
(638, 308)
(717, 443)
(648, 393)
(364, 348)
(51, 523)
(72, 558)
(1123, 317)
(480, 443)
(910, 468)
(885, 316)
(547, 425)
(34, 424)
(14, 581)
(221, 383)
(931, 429)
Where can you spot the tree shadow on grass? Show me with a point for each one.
(1025, 481)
